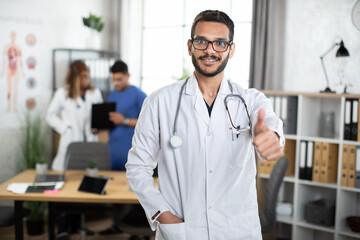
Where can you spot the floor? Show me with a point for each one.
(7, 233)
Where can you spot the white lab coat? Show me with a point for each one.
(71, 119)
(210, 180)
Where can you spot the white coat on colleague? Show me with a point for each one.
(209, 181)
(71, 119)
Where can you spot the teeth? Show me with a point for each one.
(210, 60)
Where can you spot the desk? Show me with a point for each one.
(116, 192)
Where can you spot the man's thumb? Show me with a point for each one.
(260, 121)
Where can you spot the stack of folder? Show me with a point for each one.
(285, 107)
(318, 161)
(266, 167)
(351, 119)
(350, 166)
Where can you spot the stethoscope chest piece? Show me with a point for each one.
(175, 141)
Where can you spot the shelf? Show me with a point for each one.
(318, 184)
(316, 227)
(350, 189)
(320, 139)
(349, 142)
(290, 179)
(285, 219)
(290, 137)
(350, 234)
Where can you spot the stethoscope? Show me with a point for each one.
(176, 140)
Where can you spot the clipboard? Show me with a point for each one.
(100, 115)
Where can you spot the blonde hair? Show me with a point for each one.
(72, 80)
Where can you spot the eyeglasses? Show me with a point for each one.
(218, 46)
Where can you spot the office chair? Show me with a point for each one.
(78, 154)
(131, 219)
(268, 214)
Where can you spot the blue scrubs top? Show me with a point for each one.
(128, 103)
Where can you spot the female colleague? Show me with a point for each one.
(70, 109)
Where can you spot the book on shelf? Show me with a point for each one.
(302, 165)
(285, 107)
(354, 119)
(357, 168)
(351, 165)
(344, 165)
(328, 162)
(317, 159)
(309, 160)
(351, 119)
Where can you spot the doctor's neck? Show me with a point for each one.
(209, 86)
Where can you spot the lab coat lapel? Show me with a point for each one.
(219, 107)
(192, 88)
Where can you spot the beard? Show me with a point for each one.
(210, 74)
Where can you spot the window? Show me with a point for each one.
(165, 33)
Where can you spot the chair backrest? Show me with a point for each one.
(268, 215)
(79, 154)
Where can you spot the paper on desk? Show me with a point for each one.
(22, 187)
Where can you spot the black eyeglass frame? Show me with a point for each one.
(212, 44)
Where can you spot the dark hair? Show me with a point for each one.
(119, 67)
(72, 79)
(214, 16)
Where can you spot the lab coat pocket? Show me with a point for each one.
(243, 226)
(173, 231)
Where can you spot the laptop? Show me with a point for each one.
(100, 115)
(41, 178)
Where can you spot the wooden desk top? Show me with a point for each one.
(116, 190)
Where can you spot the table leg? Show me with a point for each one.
(51, 222)
(19, 231)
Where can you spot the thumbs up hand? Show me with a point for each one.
(266, 141)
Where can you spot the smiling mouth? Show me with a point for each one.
(209, 59)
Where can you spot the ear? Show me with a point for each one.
(189, 44)
(232, 50)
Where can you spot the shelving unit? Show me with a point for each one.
(98, 61)
(300, 191)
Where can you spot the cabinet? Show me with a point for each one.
(311, 127)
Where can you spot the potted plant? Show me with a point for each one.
(92, 169)
(33, 152)
(96, 25)
(41, 166)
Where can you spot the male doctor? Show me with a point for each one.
(202, 132)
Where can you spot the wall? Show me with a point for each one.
(61, 27)
(311, 29)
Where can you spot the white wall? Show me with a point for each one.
(61, 23)
(312, 26)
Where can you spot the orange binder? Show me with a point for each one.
(344, 165)
(351, 165)
(289, 153)
(317, 161)
(328, 163)
(261, 166)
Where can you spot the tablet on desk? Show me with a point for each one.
(100, 115)
(93, 185)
